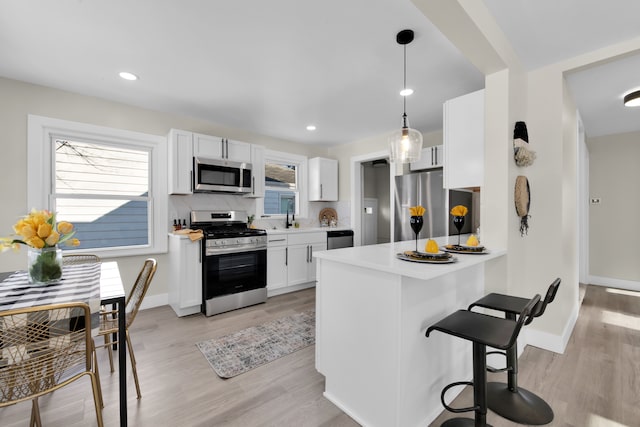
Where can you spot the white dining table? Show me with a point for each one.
(92, 283)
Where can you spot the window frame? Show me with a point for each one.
(41, 133)
(271, 156)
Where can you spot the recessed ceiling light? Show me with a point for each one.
(311, 127)
(128, 76)
(406, 92)
(632, 99)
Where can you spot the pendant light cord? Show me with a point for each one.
(404, 97)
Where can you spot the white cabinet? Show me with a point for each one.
(185, 275)
(430, 157)
(213, 147)
(315, 247)
(323, 180)
(180, 161)
(463, 130)
(237, 151)
(208, 147)
(257, 172)
(276, 262)
(290, 262)
(298, 264)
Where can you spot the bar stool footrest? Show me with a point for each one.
(496, 370)
(522, 406)
(456, 410)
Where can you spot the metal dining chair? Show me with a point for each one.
(109, 318)
(43, 349)
(75, 259)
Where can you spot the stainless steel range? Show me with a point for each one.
(234, 270)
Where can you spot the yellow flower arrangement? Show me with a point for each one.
(459, 210)
(40, 230)
(416, 210)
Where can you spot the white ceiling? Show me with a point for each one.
(544, 32)
(273, 67)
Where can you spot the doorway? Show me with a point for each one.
(371, 192)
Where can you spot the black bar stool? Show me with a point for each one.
(482, 330)
(508, 400)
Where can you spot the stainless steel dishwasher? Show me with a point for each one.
(339, 239)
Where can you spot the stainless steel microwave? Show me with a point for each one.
(217, 175)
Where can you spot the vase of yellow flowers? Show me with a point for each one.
(42, 235)
(459, 213)
(416, 220)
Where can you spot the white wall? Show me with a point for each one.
(20, 99)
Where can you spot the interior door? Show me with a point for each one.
(369, 221)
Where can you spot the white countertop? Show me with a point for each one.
(383, 258)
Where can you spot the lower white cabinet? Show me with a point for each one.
(185, 275)
(290, 262)
(276, 262)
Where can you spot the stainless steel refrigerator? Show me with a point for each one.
(425, 189)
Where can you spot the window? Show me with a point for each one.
(284, 184)
(105, 181)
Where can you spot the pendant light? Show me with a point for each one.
(405, 144)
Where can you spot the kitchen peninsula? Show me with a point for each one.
(372, 311)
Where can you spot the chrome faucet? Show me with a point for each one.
(293, 218)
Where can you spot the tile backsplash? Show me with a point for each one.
(181, 206)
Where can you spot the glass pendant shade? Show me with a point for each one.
(405, 145)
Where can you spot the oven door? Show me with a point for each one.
(230, 273)
(221, 176)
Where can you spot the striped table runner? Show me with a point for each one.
(79, 282)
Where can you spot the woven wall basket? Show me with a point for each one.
(522, 199)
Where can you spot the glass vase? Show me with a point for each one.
(44, 265)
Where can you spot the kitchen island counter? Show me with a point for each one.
(372, 311)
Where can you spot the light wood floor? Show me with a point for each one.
(595, 383)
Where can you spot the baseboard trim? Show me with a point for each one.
(151, 301)
(630, 285)
(287, 289)
(552, 342)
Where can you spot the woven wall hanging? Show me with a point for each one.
(521, 152)
(522, 198)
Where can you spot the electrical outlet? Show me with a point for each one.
(595, 200)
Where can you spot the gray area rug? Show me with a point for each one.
(249, 348)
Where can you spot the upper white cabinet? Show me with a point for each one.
(463, 130)
(430, 157)
(323, 180)
(257, 171)
(213, 147)
(180, 161)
